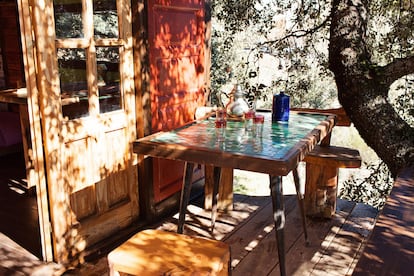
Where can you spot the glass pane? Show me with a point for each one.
(73, 83)
(108, 79)
(68, 18)
(105, 19)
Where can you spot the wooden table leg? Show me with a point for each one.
(276, 192)
(185, 194)
(214, 206)
(301, 202)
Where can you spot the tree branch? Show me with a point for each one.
(299, 33)
(397, 69)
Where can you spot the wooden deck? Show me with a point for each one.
(334, 248)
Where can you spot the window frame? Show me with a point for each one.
(89, 43)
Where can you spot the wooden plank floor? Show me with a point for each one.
(334, 244)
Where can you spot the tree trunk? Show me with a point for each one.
(363, 87)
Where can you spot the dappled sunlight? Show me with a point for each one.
(87, 106)
(198, 223)
(257, 184)
(14, 259)
(341, 249)
(92, 188)
(350, 26)
(98, 181)
(176, 65)
(155, 251)
(390, 248)
(249, 230)
(177, 77)
(335, 243)
(198, 220)
(252, 244)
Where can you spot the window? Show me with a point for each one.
(88, 50)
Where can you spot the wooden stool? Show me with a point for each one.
(322, 166)
(156, 252)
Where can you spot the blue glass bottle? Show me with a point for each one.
(280, 107)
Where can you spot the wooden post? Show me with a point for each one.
(322, 168)
(322, 180)
(225, 196)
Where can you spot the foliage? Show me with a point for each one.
(390, 33)
(295, 35)
(404, 98)
(248, 32)
(69, 23)
(372, 189)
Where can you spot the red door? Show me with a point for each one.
(177, 69)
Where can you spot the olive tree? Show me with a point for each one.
(366, 47)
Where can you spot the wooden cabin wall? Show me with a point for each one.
(2, 78)
(11, 49)
(11, 60)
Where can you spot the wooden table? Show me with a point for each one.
(277, 153)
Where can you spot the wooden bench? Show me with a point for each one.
(157, 252)
(390, 248)
(322, 168)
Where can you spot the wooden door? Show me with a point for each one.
(85, 82)
(177, 70)
(31, 129)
